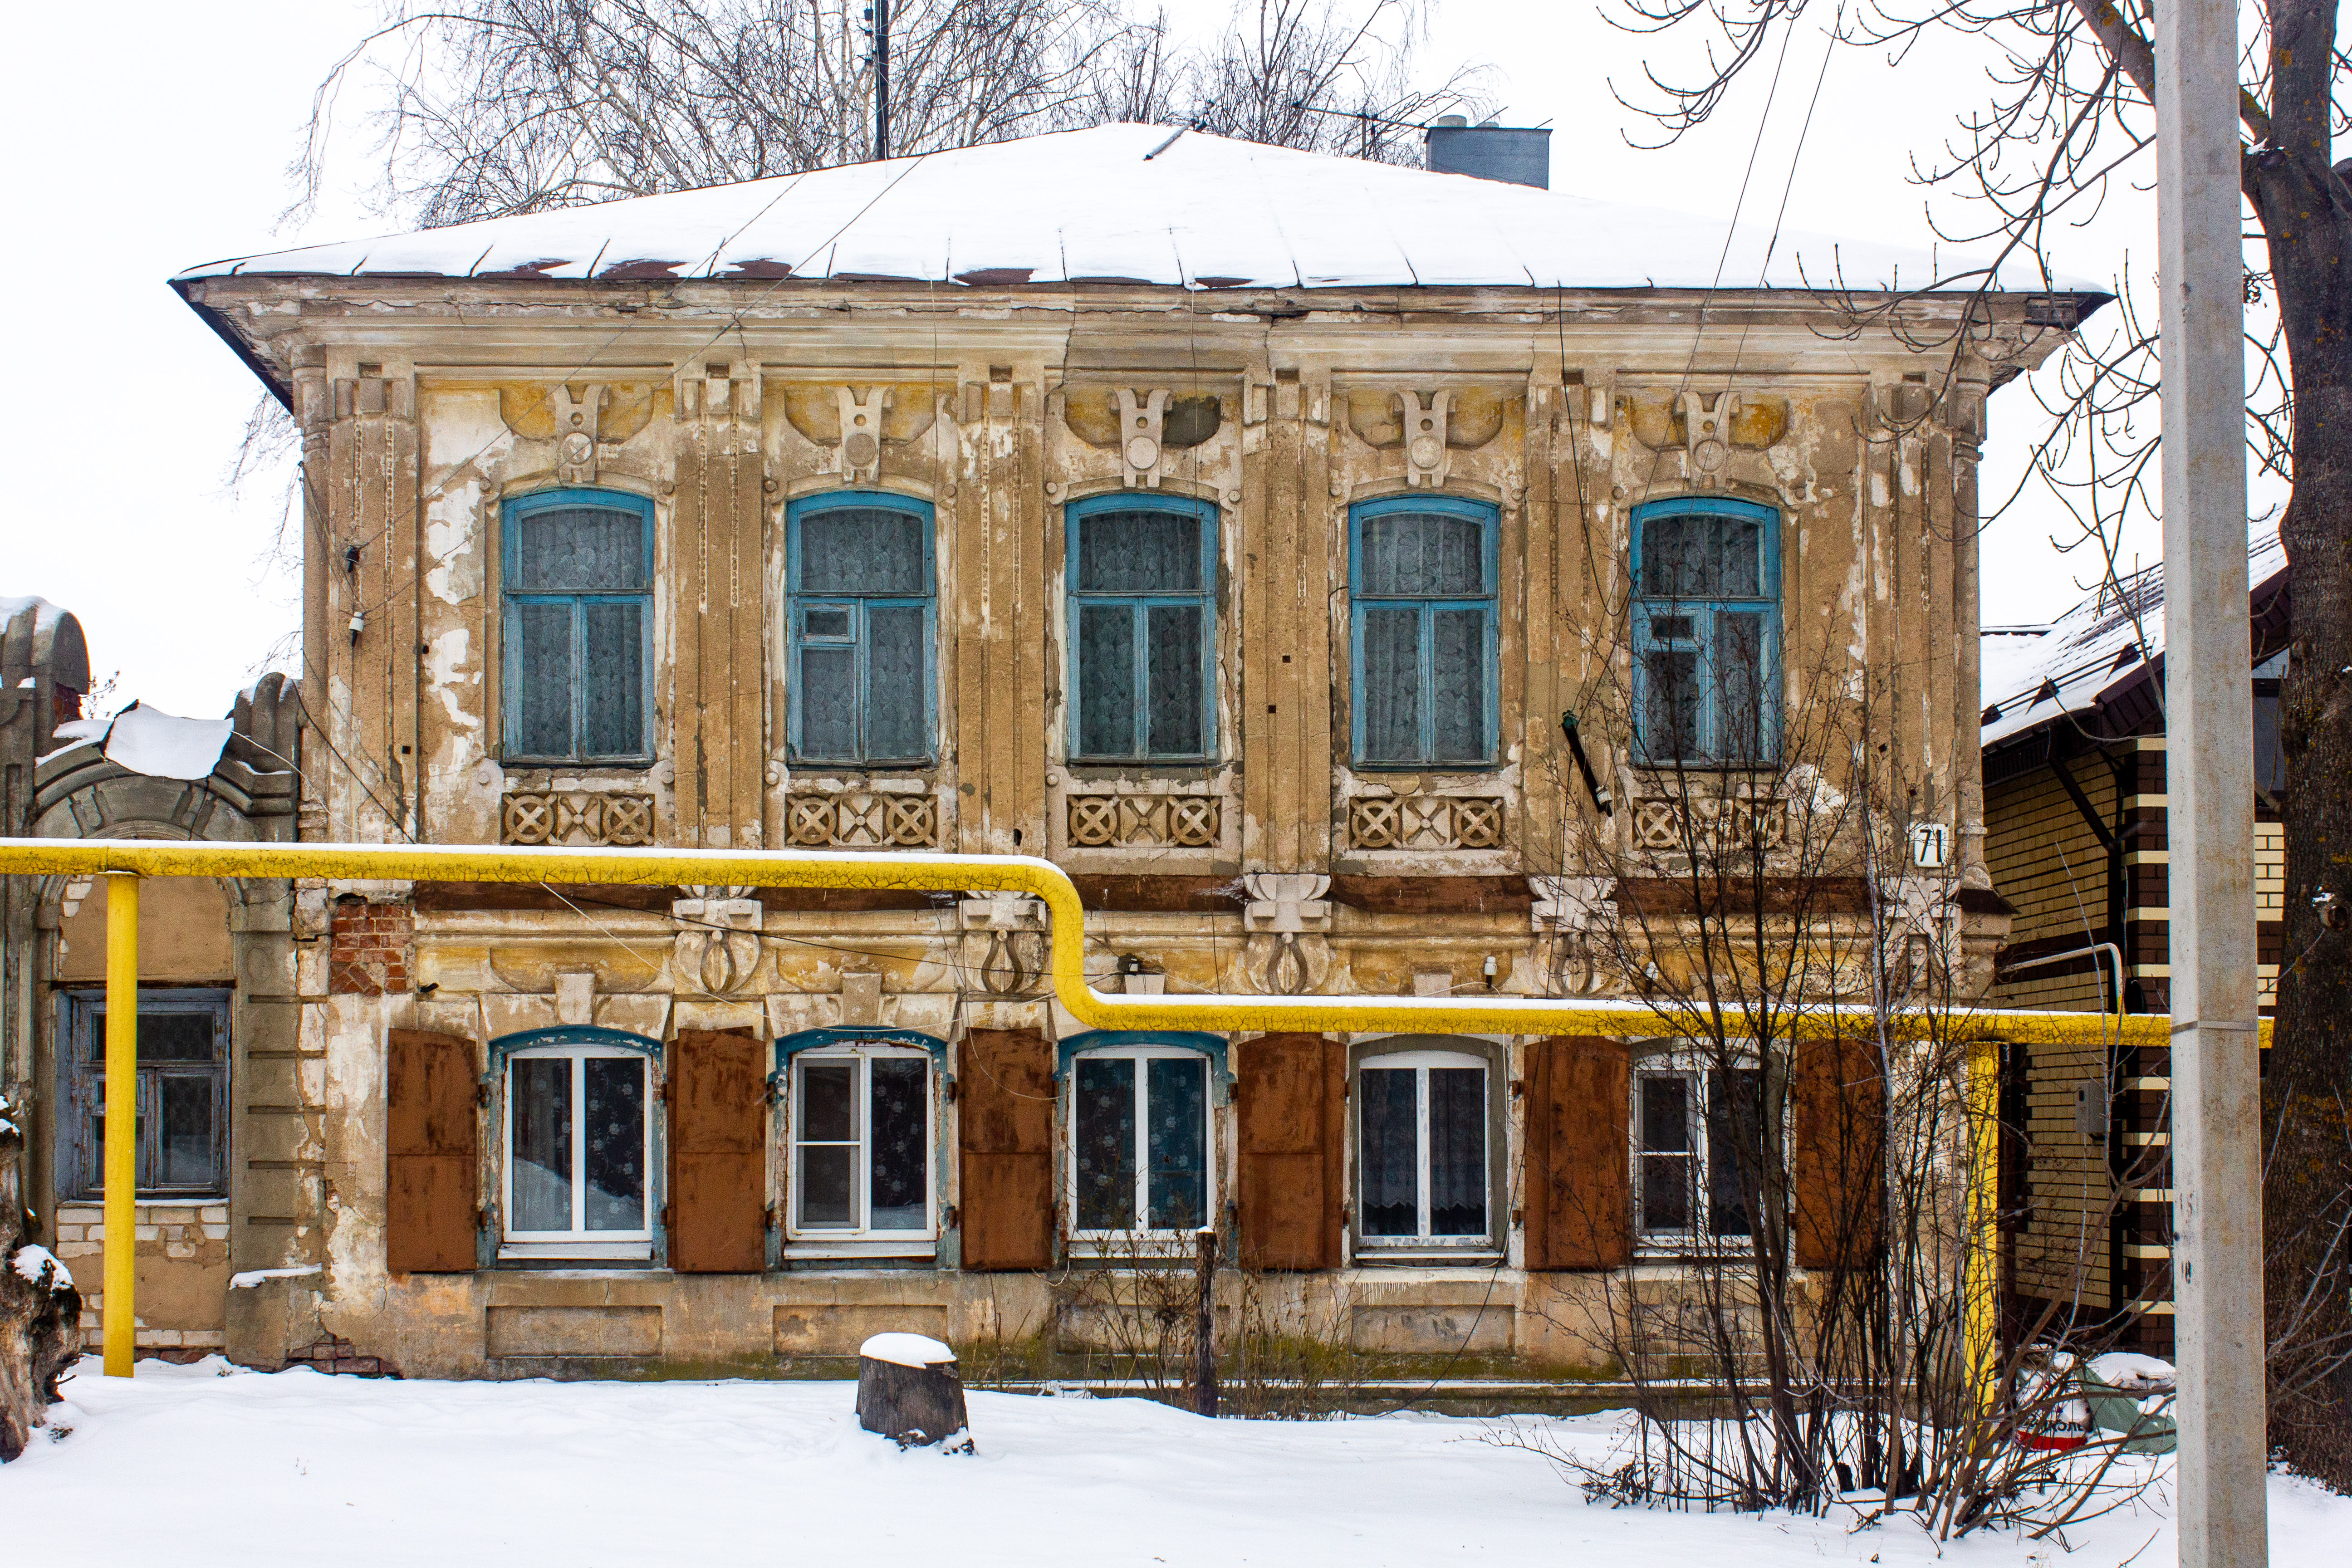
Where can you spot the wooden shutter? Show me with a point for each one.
(718, 1153)
(430, 1204)
(1580, 1200)
(1292, 1119)
(1006, 1096)
(1839, 1162)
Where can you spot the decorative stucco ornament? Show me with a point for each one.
(1706, 432)
(1140, 431)
(718, 941)
(1285, 906)
(861, 432)
(1426, 418)
(575, 431)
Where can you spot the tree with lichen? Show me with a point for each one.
(40, 1311)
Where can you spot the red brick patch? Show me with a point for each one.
(369, 948)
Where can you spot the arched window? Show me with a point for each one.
(1707, 632)
(1421, 580)
(577, 595)
(1141, 1160)
(1142, 577)
(578, 1140)
(861, 591)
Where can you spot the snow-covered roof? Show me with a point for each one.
(2031, 675)
(1131, 203)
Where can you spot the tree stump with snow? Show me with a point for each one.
(40, 1311)
(908, 1392)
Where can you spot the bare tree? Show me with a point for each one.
(491, 107)
(2069, 110)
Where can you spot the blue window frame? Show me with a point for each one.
(1707, 632)
(579, 623)
(1142, 574)
(1421, 577)
(861, 595)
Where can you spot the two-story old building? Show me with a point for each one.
(1231, 526)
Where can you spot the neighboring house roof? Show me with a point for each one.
(1135, 203)
(2106, 654)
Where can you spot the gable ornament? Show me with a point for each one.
(861, 432)
(1707, 435)
(575, 431)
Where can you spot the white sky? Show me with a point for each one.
(135, 409)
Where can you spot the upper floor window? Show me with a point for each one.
(181, 1130)
(1139, 1139)
(1421, 579)
(1422, 1149)
(1142, 577)
(578, 596)
(579, 1147)
(1707, 632)
(861, 593)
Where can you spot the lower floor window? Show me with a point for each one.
(1140, 1140)
(1422, 1147)
(861, 1142)
(180, 1124)
(579, 1143)
(1700, 1149)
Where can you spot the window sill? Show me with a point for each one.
(1428, 1256)
(576, 1252)
(579, 765)
(1435, 770)
(922, 1248)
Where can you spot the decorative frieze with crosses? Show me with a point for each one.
(1718, 823)
(575, 817)
(863, 819)
(1425, 822)
(1144, 821)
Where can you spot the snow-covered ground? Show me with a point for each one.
(204, 1464)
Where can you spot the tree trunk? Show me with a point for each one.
(911, 1399)
(40, 1311)
(2305, 213)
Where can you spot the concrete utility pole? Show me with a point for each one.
(878, 16)
(2216, 1249)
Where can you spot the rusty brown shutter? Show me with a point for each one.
(429, 1154)
(1291, 1120)
(1580, 1200)
(1841, 1149)
(1005, 1094)
(718, 1153)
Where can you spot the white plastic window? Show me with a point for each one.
(861, 1145)
(1422, 1165)
(579, 1149)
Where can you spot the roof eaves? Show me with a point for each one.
(219, 322)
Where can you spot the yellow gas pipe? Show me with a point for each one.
(121, 1119)
(123, 861)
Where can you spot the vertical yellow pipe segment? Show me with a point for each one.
(1980, 1305)
(121, 1118)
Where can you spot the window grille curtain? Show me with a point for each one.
(1423, 686)
(578, 601)
(1143, 628)
(862, 663)
(1705, 666)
